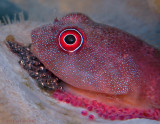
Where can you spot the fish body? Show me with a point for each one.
(99, 58)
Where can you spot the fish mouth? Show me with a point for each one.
(104, 106)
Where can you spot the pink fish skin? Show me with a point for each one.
(108, 60)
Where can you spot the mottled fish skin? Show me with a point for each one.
(109, 61)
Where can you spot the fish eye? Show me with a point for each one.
(70, 40)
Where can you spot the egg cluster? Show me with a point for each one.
(102, 110)
(44, 78)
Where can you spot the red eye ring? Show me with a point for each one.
(70, 40)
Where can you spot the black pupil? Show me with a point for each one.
(70, 39)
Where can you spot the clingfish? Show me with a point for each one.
(105, 70)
